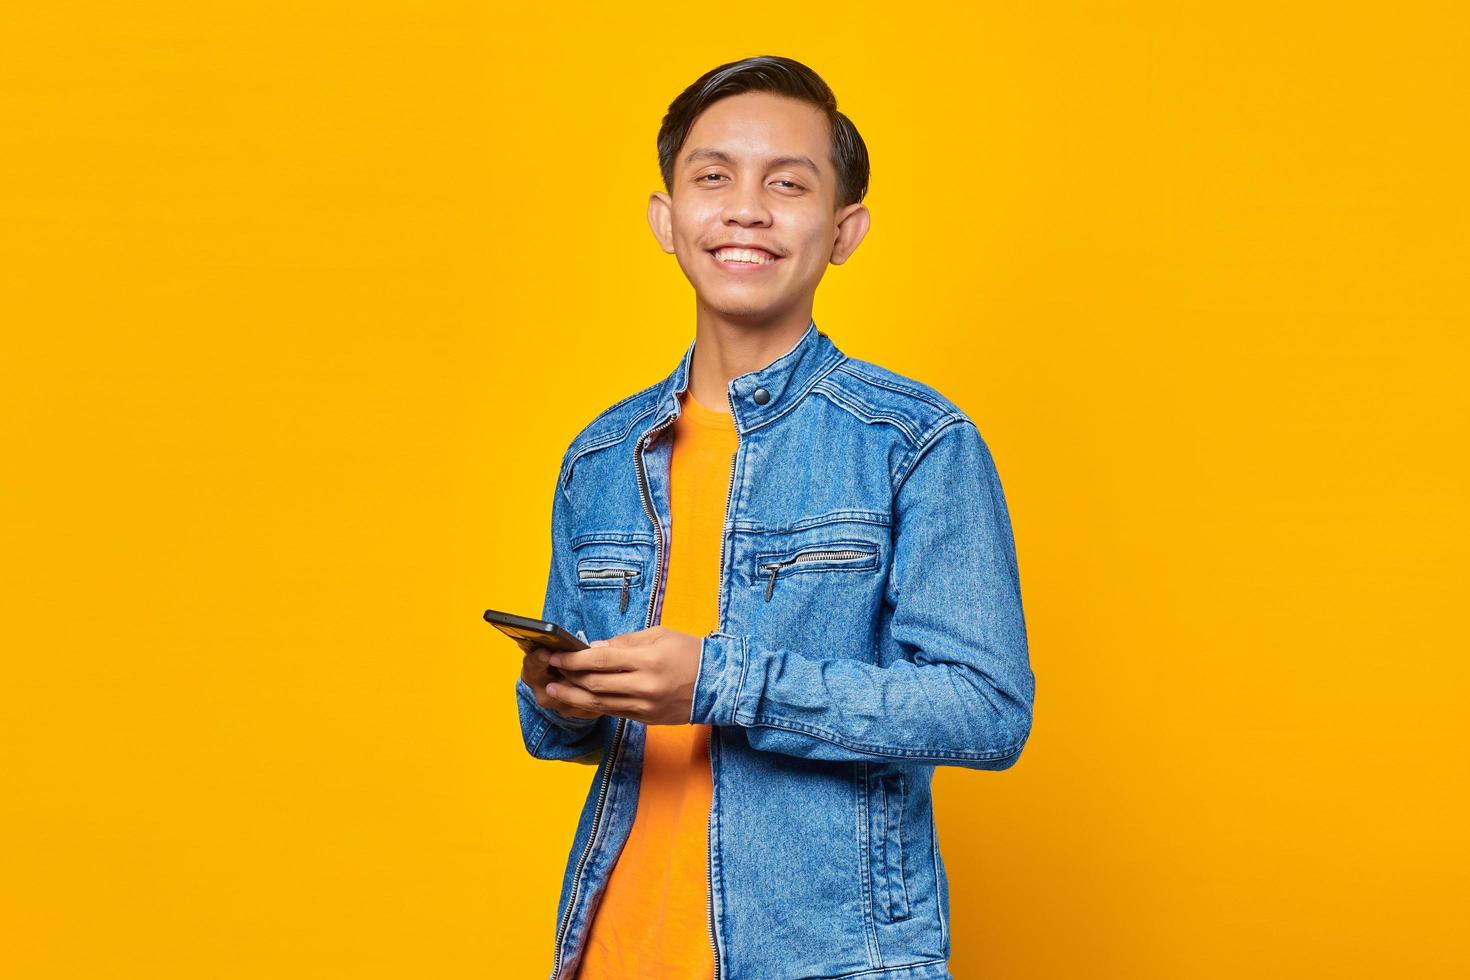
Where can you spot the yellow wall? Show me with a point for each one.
(302, 303)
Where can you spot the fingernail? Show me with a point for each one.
(553, 689)
(554, 658)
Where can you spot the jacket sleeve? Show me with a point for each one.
(549, 734)
(964, 692)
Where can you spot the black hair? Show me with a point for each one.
(782, 76)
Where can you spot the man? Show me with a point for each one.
(826, 551)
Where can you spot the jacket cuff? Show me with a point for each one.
(717, 685)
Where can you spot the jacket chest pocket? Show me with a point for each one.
(820, 578)
(887, 866)
(612, 567)
(836, 555)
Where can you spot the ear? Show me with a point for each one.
(661, 219)
(852, 225)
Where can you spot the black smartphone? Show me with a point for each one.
(528, 632)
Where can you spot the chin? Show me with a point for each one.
(741, 308)
(735, 302)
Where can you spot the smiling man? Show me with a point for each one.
(800, 572)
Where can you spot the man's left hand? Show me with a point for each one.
(647, 676)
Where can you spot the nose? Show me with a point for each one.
(745, 206)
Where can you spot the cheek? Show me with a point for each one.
(816, 239)
(815, 254)
(694, 224)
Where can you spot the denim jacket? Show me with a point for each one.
(870, 629)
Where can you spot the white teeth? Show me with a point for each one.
(743, 255)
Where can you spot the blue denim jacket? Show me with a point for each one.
(870, 629)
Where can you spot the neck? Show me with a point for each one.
(726, 347)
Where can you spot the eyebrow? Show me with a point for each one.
(790, 159)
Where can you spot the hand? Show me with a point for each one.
(647, 676)
(536, 674)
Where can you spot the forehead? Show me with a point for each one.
(754, 126)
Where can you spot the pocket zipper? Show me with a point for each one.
(626, 573)
(776, 566)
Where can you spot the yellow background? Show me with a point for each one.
(303, 302)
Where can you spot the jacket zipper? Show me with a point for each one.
(617, 741)
(626, 573)
(709, 838)
(776, 566)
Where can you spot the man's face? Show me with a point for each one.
(756, 170)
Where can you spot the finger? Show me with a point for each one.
(579, 697)
(616, 683)
(547, 701)
(538, 660)
(597, 658)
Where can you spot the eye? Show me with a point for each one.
(700, 178)
(793, 183)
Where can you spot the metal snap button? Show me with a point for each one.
(761, 396)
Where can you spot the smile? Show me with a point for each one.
(743, 259)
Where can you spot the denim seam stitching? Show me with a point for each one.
(853, 395)
(752, 720)
(862, 410)
(908, 908)
(740, 684)
(717, 880)
(911, 462)
(582, 540)
(865, 863)
(795, 398)
(887, 885)
(543, 727)
(611, 440)
(822, 520)
(934, 855)
(581, 436)
(856, 370)
(889, 969)
(698, 673)
(571, 725)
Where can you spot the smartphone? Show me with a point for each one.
(527, 632)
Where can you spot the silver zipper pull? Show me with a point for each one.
(844, 554)
(623, 605)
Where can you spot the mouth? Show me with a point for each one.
(733, 259)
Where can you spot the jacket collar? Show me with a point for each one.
(785, 380)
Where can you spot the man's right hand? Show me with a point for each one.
(536, 674)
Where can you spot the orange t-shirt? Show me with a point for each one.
(652, 920)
